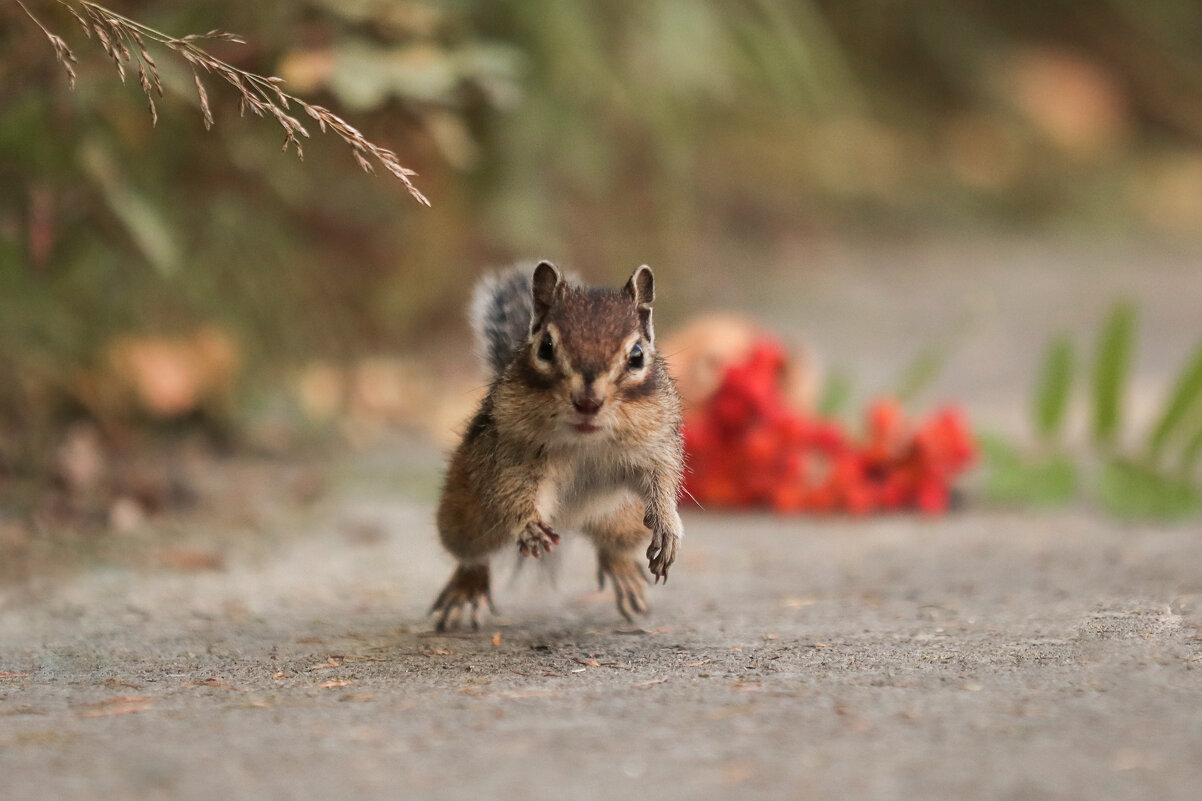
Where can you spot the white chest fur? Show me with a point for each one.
(580, 487)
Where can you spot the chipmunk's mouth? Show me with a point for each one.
(585, 428)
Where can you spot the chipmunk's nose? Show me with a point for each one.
(586, 405)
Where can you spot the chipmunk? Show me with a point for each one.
(581, 429)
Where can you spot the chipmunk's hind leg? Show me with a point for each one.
(468, 586)
(618, 537)
(629, 581)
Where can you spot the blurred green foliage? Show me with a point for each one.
(1182, 409)
(1022, 479)
(1152, 478)
(1052, 390)
(1112, 366)
(594, 132)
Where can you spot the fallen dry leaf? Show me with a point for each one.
(166, 377)
(14, 675)
(329, 663)
(496, 638)
(595, 663)
(705, 347)
(698, 664)
(205, 683)
(1078, 104)
(335, 683)
(434, 651)
(123, 705)
(211, 681)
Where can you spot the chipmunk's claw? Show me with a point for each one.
(661, 554)
(468, 586)
(536, 539)
(628, 580)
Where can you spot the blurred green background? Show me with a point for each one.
(701, 137)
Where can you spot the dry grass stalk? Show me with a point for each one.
(124, 41)
(61, 51)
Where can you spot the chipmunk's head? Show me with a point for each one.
(592, 350)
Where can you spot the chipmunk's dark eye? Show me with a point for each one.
(635, 361)
(546, 348)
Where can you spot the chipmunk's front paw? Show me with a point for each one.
(662, 553)
(628, 580)
(469, 585)
(666, 534)
(536, 539)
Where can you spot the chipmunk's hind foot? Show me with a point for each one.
(628, 579)
(468, 586)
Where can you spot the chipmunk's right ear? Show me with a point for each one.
(545, 286)
(641, 287)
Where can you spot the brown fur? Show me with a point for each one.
(523, 467)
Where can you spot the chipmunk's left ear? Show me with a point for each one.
(641, 287)
(544, 285)
(641, 290)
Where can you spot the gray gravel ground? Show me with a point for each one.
(983, 656)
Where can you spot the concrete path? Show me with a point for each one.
(984, 656)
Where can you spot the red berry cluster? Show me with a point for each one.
(746, 448)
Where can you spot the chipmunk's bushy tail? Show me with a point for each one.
(500, 314)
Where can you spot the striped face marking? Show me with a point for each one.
(628, 364)
(588, 388)
(591, 351)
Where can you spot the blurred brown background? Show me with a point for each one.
(165, 279)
